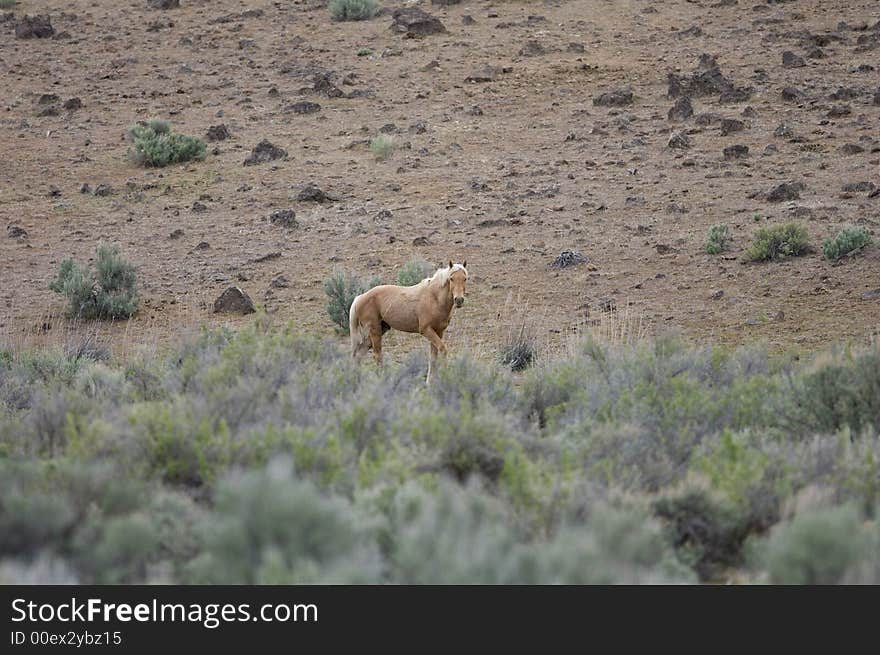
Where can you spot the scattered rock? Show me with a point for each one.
(783, 130)
(234, 301)
(607, 305)
(304, 107)
(467, 19)
(859, 187)
(706, 80)
(844, 93)
(851, 149)
(568, 258)
(733, 96)
(16, 232)
(873, 294)
(791, 93)
(202, 245)
(415, 22)
(323, 83)
(786, 191)
(877, 96)
(85, 188)
(737, 151)
(731, 125)
(575, 47)
(485, 74)
(838, 111)
(164, 4)
(217, 133)
(616, 98)
(717, 295)
(679, 140)
(34, 27)
(791, 60)
(284, 217)
(176, 234)
(532, 49)
(311, 193)
(421, 241)
(681, 110)
(72, 104)
(199, 207)
(279, 282)
(264, 152)
(103, 190)
(49, 110)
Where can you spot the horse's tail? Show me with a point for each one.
(354, 327)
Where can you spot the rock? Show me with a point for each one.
(838, 111)
(873, 294)
(783, 130)
(532, 49)
(851, 149)
(16, 232)
(877, 96)
(103, 190)
(199, 207)
(681, 110)
(786, 191)
(844, 93)
(791, 60)
(304, 107)
(791, 93)
(816, 53)
(284, 217)
(616, 98)
(412, 21)
(49, 110)
(607, 305)
(164, 4)
(263, 152)
(708, 118)
(85, 188)
(736, 152)
(568, 258)
(217, 133)
(575, 47)
(859, 187)
(279, 282)
(311, 193)
(706, 80)
(679, 140)
(485, 74)
(467, 19)
(176, 234)
(34, 27)
(717, 295)
(445, 3)
(202, 245)
(731, 125)
(421, 241)
(733, 96)
(323, 83)
(234, 301)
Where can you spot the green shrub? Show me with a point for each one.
(845, 241)
(413, 272)
(778, 242)
(342, 289)
(817, 547)
(717, 240)
(382, 147)
(7, 4)
(156, 146)
(352, 9)
(110, 293)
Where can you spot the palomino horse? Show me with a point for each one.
(425, 308)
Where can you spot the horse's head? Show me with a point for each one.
(458, 276)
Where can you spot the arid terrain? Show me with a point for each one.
(504, 167)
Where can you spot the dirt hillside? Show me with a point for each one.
(523, 130)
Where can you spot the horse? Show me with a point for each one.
(425, 308)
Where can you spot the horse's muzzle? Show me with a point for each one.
(459, 301)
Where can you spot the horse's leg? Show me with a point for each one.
(432, 357)
(429, 333)
(376, 340)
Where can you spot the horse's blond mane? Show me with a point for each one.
(441, 275)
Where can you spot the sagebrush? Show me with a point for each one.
(155, 145)
(413, 272)
(353, 9)
(717, 239)
(110, 292)
(778, 242)
(341, 290)
(271, 457)
(846, 241)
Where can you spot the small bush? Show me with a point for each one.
(110, 293)
(778, 242)
(342, 289)
(7, 4)
(156, 146)
(353, 9)
(845, 241)
(383, 147)
(413, 272)
(520, 349)
(716, 242)
(816, 547)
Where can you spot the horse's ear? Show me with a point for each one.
(464, 264)
(450, 263)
